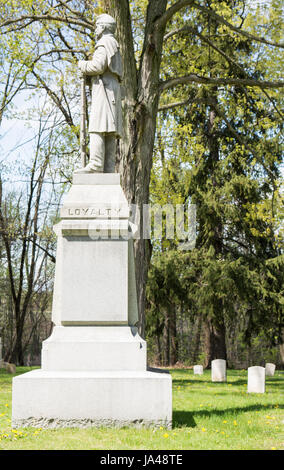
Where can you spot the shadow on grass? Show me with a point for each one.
(183, 419)
(186, 418)
(271, 382)
(180, 382)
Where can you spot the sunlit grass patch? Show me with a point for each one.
(206, 415)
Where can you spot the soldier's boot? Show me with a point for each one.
(97, 154)
(110, 146)
(91, 167)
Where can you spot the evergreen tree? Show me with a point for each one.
(226, 155)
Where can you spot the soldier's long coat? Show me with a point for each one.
(105, 70)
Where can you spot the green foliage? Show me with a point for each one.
(221, 150)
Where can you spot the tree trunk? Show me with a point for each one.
(215, 341)
(173, 336)
(159, 348)
(17, 354)
(166, 338)
(196, 347)
(140, 110)
(215, 337)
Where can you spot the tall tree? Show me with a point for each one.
(227, 142)
(69, 23)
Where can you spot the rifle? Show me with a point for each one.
(83, 137)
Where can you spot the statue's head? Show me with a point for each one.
(105, 24)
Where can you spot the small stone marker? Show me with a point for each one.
(256, 379)
(270, 369)
(198, 370)
(218, 370)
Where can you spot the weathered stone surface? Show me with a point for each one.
(52, 423)
(218, 370)
(256, 379)
(61, 398)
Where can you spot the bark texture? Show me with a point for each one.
(140, 108)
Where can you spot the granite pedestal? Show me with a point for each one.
(94, 365)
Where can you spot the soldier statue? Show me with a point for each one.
(105, 120)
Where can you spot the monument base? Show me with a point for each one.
(94, 348)
(53, 399)
(94, 363)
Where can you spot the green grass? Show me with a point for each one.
(205, 416)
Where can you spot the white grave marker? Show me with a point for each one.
(256, 379)
(218, 370)
(270, 369)
(198, 370)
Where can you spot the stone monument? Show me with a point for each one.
(94, 367)
(198, 370)
(269, 369)
(218, 370)
(256, 379)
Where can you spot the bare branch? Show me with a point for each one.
(170, 12)
(218, 81)
(47, 17)
(55, 99)
(30, 239)
(67, 7)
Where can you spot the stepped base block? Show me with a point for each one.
(92, 399)
(94, 348)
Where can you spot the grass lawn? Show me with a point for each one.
(205, 416)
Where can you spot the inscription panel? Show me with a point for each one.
(95, 212)
(95, 287)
